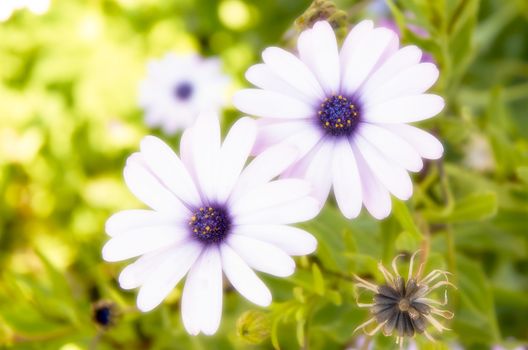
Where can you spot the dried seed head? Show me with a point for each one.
(404, 307)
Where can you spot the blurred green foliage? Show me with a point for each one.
(69, 118)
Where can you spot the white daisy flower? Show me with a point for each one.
(178, 87)
(347, 113)
(208, 214)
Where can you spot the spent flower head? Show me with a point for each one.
(405, 307)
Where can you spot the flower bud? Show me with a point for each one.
(254, 326)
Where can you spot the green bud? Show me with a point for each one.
(254, 326)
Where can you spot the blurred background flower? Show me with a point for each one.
(69, 117)
(178, 87)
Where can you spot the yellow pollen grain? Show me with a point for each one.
(207, 228)
(340, 97)
(327, 123)
(339, 120)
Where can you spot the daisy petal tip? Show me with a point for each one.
(108, 252)
(311, 245)
(144, 305)
(264, 301)
(322, 25)
(290, 269)
(210, 330)
(134, 158)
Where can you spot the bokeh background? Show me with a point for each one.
(69, 117)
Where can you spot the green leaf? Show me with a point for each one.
(318, 280)
(522, 173)
(402, 214)
(476, 309)
(475, 207)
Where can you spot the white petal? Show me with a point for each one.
(242, 277)
(411, 81)
(347, 185)
(142, 240)
(127, 220)
(292, 240)
(318, 50)
(298, 210)
(318, 174)
(201, 303)
(162, 279)
(262, 256)
(148, 189)
(376, 198)
(392, 146)
(352, 42)
(402, 59)
(205, 146)
(272, 132)
(424, 143)
(405, 109)
(293, 71)
(233, 156)
(262, 169)
(135, 274)
(305, 140)
(269, 195)
(393, 177)
(362, 61)
(263, 77)
(169, 169)
(186, 153)
(270, 104)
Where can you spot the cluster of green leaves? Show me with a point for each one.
(68, 120)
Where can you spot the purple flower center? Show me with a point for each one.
(183, 90)
(338, 115)
(210, 224)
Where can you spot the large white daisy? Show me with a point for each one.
(209, 214)
(347, 112)
(178, 87)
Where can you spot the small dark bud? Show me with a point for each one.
(105, 313)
